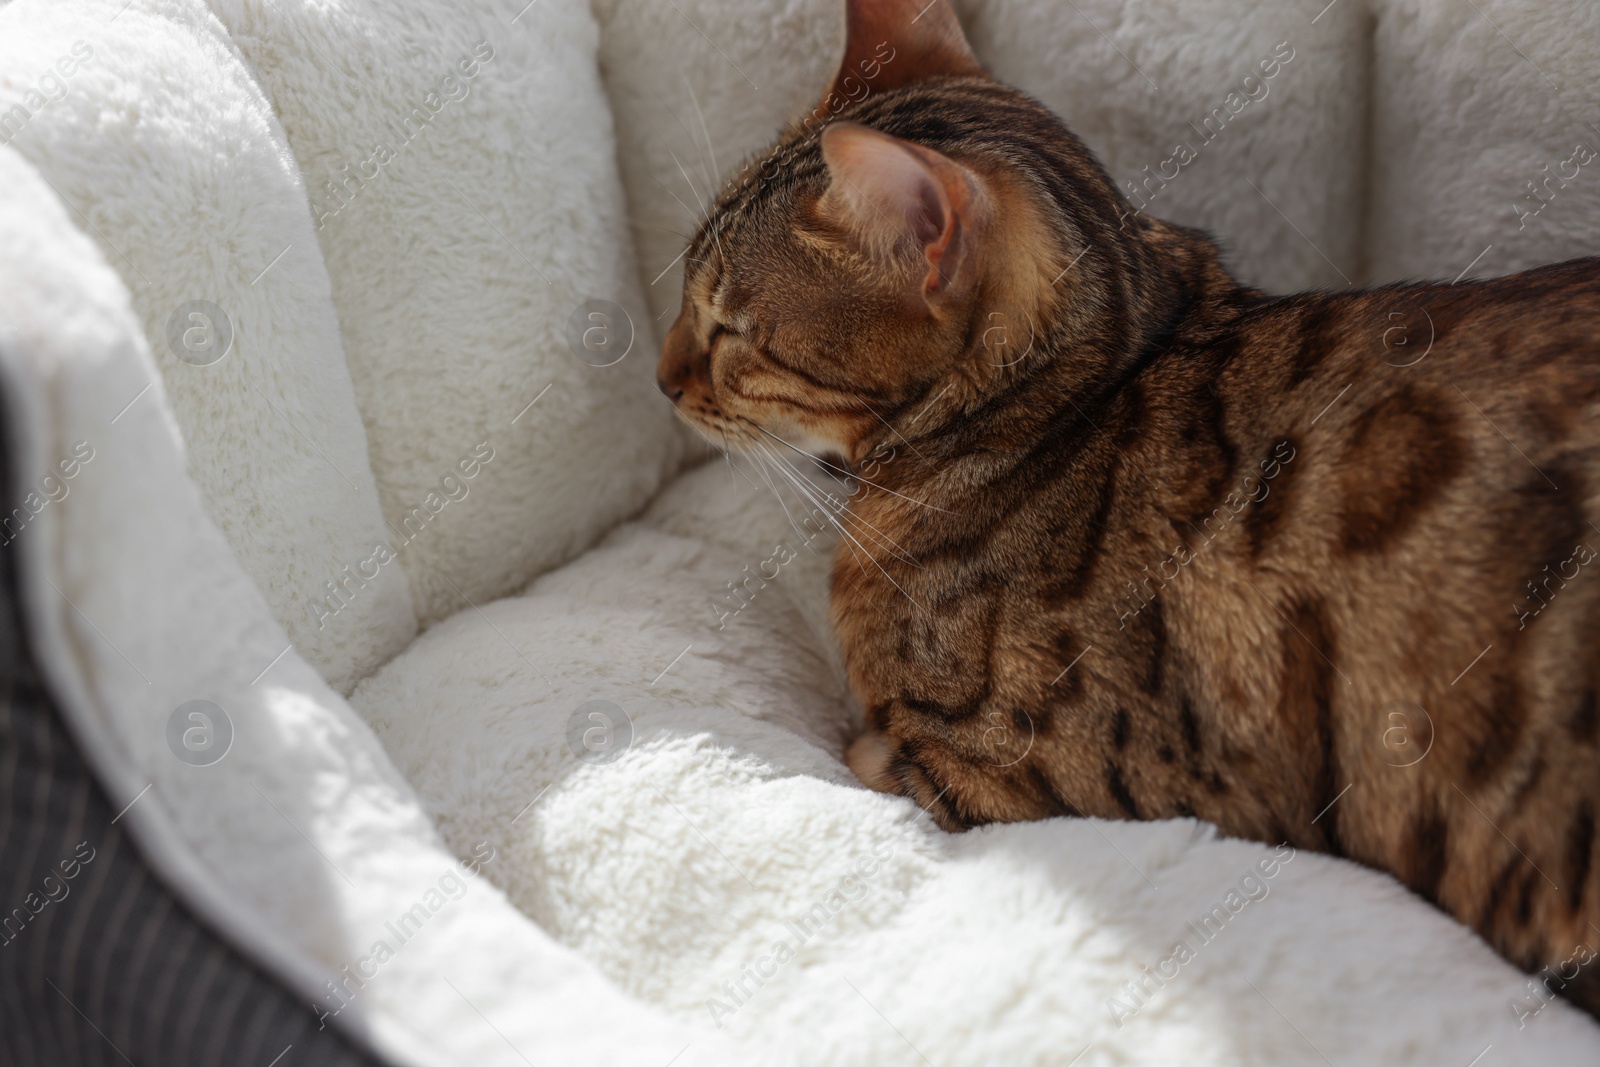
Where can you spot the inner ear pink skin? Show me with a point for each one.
(892, 192)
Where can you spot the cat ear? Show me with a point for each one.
(902, 197)
(890, 43)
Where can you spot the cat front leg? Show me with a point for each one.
(887, 764)
(869, 757)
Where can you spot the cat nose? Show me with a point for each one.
(676, 369)
(672, 377)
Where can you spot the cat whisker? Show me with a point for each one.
(799, 530)
(734, 470)
(781, 503)
(711, 152)
(716, 232)
(850, 542)
(656, 143)
(716, 237)
(878, 537)
(874, 560)
(847, 473)
(663, 229)
(891, 429)
(692, 213)
(727, 452)
(687, 421)
(866, 528)
(705, 205)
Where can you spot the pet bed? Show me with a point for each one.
(437, 671)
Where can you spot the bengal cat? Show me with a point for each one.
(1140, 542)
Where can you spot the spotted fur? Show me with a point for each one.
(1300, 566)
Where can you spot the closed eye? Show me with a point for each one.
(721, 328)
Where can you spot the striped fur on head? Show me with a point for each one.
(838, 281)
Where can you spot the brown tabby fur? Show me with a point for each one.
(1202, 551)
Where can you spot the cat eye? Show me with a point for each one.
(719, 329)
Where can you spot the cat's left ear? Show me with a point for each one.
(902, 200)
(890, 43)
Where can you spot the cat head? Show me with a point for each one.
(895, 255)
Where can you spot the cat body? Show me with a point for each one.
(1135, 541)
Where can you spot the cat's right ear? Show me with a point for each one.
(907, 204)
(890, 43)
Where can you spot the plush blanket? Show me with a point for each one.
(601, 817)
(703, 844)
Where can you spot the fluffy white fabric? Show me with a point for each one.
(730, 817)
(727, 823)
(461, 165)
(690, 111)
(302, 843)
(1134, 78)
(1477, 101)
(1277, 172)
(154, 132)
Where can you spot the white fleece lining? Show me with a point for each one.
(675, 869)
(161, 613)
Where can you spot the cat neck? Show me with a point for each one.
(1048, 354)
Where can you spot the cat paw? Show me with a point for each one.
(868, 758)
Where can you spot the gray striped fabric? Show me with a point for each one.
(99, 963)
